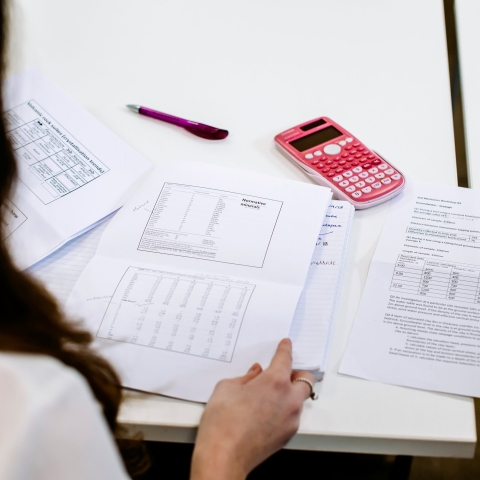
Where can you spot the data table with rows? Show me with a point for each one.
(190, 314)
(432, 278)
(52, 163)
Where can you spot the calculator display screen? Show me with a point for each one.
(316, 138)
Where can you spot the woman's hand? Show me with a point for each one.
(248, 418)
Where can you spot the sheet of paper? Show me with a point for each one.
(72, 171)
(60, 271)
(312, 323)
(199, 275)
(418, 323)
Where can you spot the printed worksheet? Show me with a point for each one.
(198, 276)
(197, 222)
(418, 323)
(72, 171)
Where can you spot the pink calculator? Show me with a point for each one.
(336, 159)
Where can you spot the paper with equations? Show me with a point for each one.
(312, 324)
(72, 171)
(418, 323)
(199, 276)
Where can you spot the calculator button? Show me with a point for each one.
(345, 155)
(331, 174)
(376, 185)
(384, 166)
(360, 148)
(344, 183)
(390, 171)
(328, 162)
(362, 160)
(355, 163)
(315, 162)
(320, 165)
(348, 147)
(366, 152)
(350, 189)
(367, 189)
(370, 179)
(363, 175)
(356, 194)
(397, 176)
(373, 170)
(342, 142)
(332, 149)
(356, 144)
(386, 181)
(367, 166)
(360, 184)
(371, 157)
(334, 165)
(338, 178)
(349, 139)
(308, 156)
(358, 155)
(317, 153)
(380, 175)
(336, 159)
(353, 179)
(326, 169)
(339, 170)
(377, 161)
(353, 152)
(347, 174)
(342, 162)
(357, 170)
(324, 158)
(351, 159)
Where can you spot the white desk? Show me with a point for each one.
(467, 15)
(256, 68)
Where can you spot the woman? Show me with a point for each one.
(59, 400)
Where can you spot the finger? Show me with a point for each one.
(254, 371)
(282, 360)
(303, 388)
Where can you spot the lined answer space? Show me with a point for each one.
(316, 308)
(60, 271)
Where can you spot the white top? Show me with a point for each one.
(467, 14)
(257, 68)
(51, 425)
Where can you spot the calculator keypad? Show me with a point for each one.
(354, 169)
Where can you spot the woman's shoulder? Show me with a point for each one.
(25, 374)
(50, 416)
(35, 384)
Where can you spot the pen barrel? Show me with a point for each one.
(199, 129)
(165, 117)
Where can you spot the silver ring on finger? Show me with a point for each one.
(313, 395)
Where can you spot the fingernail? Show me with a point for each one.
(254, 368)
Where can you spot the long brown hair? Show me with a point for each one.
(32, 322)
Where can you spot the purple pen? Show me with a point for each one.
(204, 131)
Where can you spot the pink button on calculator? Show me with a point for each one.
(354, 172)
